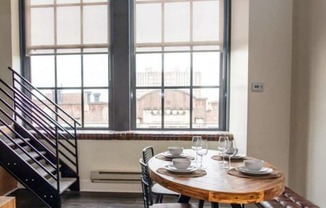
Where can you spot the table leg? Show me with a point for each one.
(237, 206)
(183, 199)
(201, 203)
(214, 205)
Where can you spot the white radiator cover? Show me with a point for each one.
(105, 176)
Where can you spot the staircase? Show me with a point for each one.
(38, 141)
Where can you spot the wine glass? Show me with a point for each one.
(223, 144)
(202, 150)
(231, 151)
(195, 144)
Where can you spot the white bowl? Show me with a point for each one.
(253, 164)
(175, 150)
(181, 163)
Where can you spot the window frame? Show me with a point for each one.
(223, 87)
(26, 62)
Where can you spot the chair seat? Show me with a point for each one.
(157, 189)
(174, 205)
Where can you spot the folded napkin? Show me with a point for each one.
(274, 174)
(196, 173)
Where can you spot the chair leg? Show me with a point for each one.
(157, 199)
(161, 198)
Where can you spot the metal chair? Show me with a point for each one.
(147, 192)
(156, 189)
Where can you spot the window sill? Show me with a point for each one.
(149, 135)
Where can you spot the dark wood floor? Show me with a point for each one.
(25, 199)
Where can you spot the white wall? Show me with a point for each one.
(309, 101)
(115, 155)
(5, 39)
(239, 72)
(261, 46)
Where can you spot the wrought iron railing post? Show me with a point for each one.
(58, 159)
(76, 145)
(14, 94)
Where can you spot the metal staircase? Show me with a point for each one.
(38, 141)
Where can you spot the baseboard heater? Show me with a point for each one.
(102, 176)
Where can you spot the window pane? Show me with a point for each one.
(94, 1)
(177, 22)
(38, 99)
(206, 26)
(177, 69)
(70, 101)
(96, 24)
(148, 23)
(96, 108)
(206, 108)
(206, 68)
(149, 109)
(176, 108)
(67, 1)
(42, 71)
(41, 2)
(68, 21)
(42, 26)
(149, 69)
(69, 71)
(96, 70)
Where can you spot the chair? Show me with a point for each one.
(147, 192)
(156, 189)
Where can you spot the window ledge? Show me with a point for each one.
(150, 135)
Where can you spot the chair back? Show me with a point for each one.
(146, 183)
(148, 153)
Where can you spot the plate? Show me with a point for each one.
(263, 171)
(169, 155)
(171, 168)
(236, 157)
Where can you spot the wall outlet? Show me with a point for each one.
(257, 87)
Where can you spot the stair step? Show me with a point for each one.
(42, 172)
(65, 183)
(32, 154)
(18, 141)
(26, 148)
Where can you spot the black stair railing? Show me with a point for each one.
(57, 134)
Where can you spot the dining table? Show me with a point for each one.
(216, 183)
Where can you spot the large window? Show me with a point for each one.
(176, 61)
(179, 64)
(67, 48)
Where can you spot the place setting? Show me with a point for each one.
(254, 168)
(172, 153)
(185, 165)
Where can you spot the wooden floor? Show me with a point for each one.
(25, 199)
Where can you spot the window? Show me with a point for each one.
(173, 72)
(180, 65)
(67, 48)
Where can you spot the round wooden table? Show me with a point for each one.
(218, 185)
